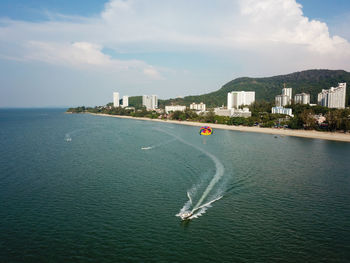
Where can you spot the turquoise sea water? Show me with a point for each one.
(79, 188)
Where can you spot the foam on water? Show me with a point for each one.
(203, 208)
(157, 145)
(68, 136)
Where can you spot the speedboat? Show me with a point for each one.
(186, 215)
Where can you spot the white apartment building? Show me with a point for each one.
(302, 98)
(223, 112)
(150, 102)
(154, 102)
(116, 99)
(333, 97)
(242, 113)
(287, 92)
(198, 107)
(125, 101)
(233, 112)
(239, 98)
(285, 98)
(282, 110)
(282, 100)
(174, 108)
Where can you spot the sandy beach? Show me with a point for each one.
(333, 136)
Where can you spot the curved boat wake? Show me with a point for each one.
(191, 210)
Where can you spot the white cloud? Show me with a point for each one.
(81, 55)
(152, 72)
(75, 54)
(282, 21)
(270, 30)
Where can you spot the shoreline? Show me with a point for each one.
(331, 136)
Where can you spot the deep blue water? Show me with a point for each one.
(79, 188)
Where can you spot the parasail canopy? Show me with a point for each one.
(205, 130)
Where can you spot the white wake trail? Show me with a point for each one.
(203, 208)
(189, 197)
(218, 174)
(156, 145)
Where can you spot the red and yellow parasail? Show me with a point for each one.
(205, 130)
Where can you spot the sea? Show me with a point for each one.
(85, 188)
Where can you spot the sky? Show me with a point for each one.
(60, 53)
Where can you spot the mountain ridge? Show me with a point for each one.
(266, 88)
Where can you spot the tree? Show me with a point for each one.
(307, 117)
(295, 123)
(178, 115)
(210, 116)
(333, 119)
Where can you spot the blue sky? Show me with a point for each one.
(62, 53)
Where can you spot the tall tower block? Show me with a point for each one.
(116, 99)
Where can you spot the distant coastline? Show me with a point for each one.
(332, 136)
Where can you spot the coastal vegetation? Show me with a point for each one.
(305, 116)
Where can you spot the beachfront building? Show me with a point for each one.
(282, 100)
(125, 101)
(197, 107)
(239, 98)
(174, 108)
(302, 98)
(242, 113)
(233, 112)
(287, 92)
(333, 97)
(282, 110)
(150, 102)
(221, 111)
(285, 98)
(116, 99)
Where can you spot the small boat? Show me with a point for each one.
(68, 139)
(146, 148)
(186, 216)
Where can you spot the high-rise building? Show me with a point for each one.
(285, 98)
(150, 102)
(197, 107)
(154, 102)
(125, 101)
(287, 92)
(302, 98)
(239, 98)
(282, 100)
(116, 99)
(147, 101)
(333, 97)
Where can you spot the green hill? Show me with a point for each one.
(309, 81)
